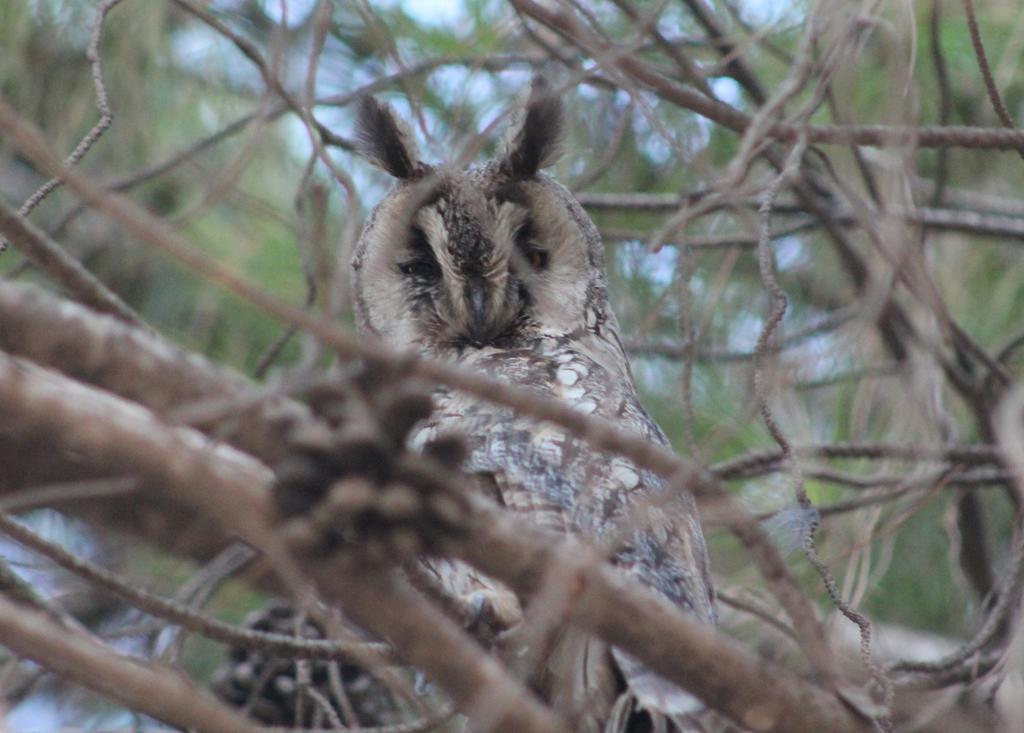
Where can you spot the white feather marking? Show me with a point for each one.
(586, 406)
(625, 475)
(573, 393)
(568, 377)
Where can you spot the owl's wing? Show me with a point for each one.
(562, 483)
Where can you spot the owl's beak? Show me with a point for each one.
(479, 327)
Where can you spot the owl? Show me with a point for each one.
(498, 269)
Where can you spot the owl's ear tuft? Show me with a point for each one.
(535, 143)
(385, 140)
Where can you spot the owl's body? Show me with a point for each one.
(564, 484)
(500, 270)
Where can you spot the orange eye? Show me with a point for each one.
(537, 258)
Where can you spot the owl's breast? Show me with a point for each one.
(540, 458)
(562, 482)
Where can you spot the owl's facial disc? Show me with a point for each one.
(468, 266)
(499, 255)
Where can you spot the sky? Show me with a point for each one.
(433, 12)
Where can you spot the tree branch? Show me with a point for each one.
(142, 367)
(67, 272)
(159, 692)
(52, 412)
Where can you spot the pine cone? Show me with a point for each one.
(349, 482)
(275, 691)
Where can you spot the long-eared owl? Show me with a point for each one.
(499, 269)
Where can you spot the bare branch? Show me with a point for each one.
(977, 138)
(234, 491)
(986, 73)
(277, 644)
(62, 268)
(102, 104)
(51, 411)
(140, 366)
(159, 692)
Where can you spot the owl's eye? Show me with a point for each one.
(425, 269)
(536, 256)
(422, 264)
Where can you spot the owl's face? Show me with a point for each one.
(490, 256)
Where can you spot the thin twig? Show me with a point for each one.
(277, 644)
(159, 692)
(753, 463)
(986, 73)
(102, 104)
(945, 97)
(976, 138)
(67, 272)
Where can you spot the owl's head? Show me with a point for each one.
(496, 255)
